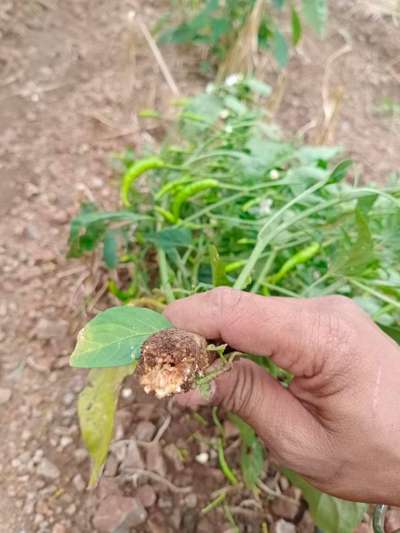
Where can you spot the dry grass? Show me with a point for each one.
(242, 57)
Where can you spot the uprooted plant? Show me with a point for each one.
(227, 201)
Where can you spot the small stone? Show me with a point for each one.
(126, 393)
(145, 431)
(164, 502)
(5, 395)
(26, 435)
(172, 453)
(285, 508)
(47, 329)
(80, 455)
(65, 441)
(155, 460)
(59, 528)
(118, 512)
(111, 467)
(79, 483)
(202, 458)
(48, 470)
(71, 509)
(68, 399)
(281, 526)
(146, 495)
(133, 457)
(283, 483)
(107, 487)
(191, 501)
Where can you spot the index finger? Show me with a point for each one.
(289, 330)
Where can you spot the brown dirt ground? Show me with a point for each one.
(73, 76)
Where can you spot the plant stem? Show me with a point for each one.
(165, 284)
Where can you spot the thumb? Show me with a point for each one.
(283, 423)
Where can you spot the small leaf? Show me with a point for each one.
(96, 408)
(279, 3)
(354, 260)
(252, 463)
(330, 514)
(280, 49)
(296, 26)
(115, 337)
(252, 455)
(340, 171)
(365, 203)
(170, 238)
(316, 14)
(110, 249)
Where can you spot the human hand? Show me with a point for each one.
(338, 423)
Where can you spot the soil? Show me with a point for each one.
(73, 76)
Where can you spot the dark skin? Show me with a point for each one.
(338, 424)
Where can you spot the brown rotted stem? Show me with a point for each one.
(171, 361)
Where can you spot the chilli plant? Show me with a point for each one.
(227, 201)
(230, 27)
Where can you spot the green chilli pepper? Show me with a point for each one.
(167, 215)
(299, 258)
(172, 186)
(134, 172)
(188, 192)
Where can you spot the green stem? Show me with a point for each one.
(375, 293)
(165, 284)
(264, 272)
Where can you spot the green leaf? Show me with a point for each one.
(115, 337)
(330, 514)
(252, 460)
(170, 238)
(365, 203)
(88, 228)
(110, 249)
(252, 455)
(96, 408)
(340, 171)
(279, 3)
(219, 277)
(296, 26)
(360, 255)
(392, 331)
(280, 48)
(316, 14)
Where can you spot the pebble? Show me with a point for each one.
(5, 395)
(191, 501)
(65, 441)
(126, 393)
(68, 399)
(118, 513)
(79, 483)
(202, 458)
(51, 329)
(164, 502)
(80, 455)
(171, 451)
(285, 508)
(111, 467)
(59, 528)
(71, 509)
(281, 526)
(133, 457)
(145, 431)
(146, 495)
(47, 469)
